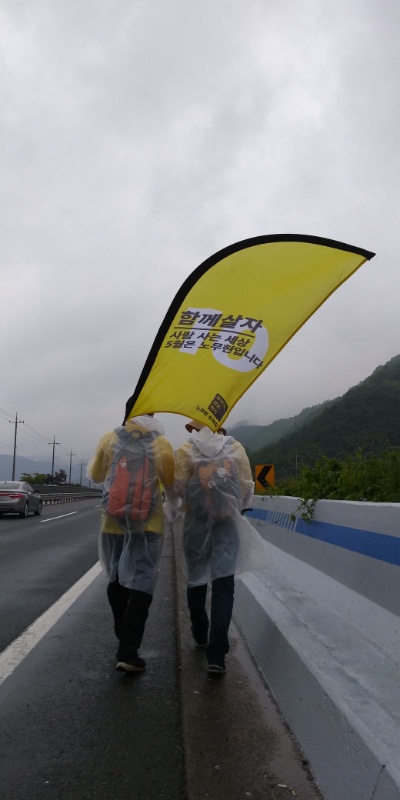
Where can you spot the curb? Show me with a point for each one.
(236, 742)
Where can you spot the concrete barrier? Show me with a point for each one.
(323, 623)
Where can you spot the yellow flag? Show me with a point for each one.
(231, 318)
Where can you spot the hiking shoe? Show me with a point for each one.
(216, 668)
(132, 664)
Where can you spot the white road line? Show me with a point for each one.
(50, 519)
(19, 648)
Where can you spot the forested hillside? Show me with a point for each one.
(366, 419)
(252, 436)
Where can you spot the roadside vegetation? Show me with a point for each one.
(350, 442)
(59, 478)
(369, 477)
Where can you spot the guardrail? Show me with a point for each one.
(69, 497)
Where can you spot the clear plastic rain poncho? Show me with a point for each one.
(213, 478)
(131, 491)
(129, 544)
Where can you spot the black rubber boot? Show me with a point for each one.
(118, 597)
(133, 624)
(196, 598)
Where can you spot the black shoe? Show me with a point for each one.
(116, 631)
(200, 636)
(216, 667)
(201, 641)
(132, 664)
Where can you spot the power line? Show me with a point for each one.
(32, 437)
(36, 435)
(4, 416)
(8, 413)
(43, 436)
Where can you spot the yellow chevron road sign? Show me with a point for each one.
(264, 477)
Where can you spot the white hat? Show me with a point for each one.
(194, 424)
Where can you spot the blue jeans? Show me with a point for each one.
(222, 591)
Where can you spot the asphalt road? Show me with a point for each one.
(42, 557)
(73, 728)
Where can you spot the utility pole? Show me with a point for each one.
(16, 423)
(54, 447)
(83, 463)
(70, 464)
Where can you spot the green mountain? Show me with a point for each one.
(252, 436)
(366, 418)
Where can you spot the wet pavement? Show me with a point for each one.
(73, 728)
(237, 744)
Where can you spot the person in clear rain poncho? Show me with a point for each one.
(214, 480)
(131, 461)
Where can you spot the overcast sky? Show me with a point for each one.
(136, 140)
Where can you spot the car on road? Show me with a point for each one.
(20, 498)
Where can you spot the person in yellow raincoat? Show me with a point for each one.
(130, 549)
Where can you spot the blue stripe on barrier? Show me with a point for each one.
(257, 513)
(368, 543)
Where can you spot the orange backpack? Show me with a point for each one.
(129, 488)
(214, 488)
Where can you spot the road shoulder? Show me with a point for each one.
(236, 741)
